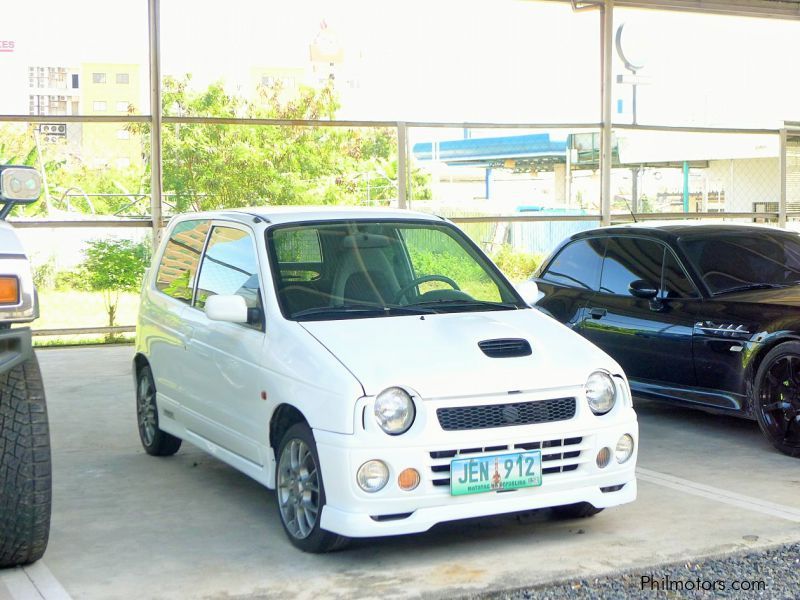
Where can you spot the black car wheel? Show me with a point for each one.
(777, 397)
(25, 483)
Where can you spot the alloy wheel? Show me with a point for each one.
(779, 400)
(298, 488)
(146, 410)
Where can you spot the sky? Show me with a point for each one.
(489, 60)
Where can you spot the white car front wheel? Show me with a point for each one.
(301, 494)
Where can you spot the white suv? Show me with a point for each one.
(375, 368)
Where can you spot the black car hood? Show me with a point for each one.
(789, 296)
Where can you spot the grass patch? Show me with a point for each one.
(66, 309)
(62, 309)
(52, 341)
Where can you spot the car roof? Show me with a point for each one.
(301, 214)
(670, 231)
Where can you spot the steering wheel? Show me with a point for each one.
(419, 280)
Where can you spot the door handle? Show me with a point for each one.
(597, 313)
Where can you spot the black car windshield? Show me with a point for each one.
(359, 269)
(738, 261)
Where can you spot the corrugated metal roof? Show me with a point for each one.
(485, 150)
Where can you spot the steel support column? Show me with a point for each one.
(782, 198)
(154, 33)
(606, 40)
(402, 169)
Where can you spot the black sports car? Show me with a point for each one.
(706, 315)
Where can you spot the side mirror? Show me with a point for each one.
(18, 185)
(226, 307)
(529, 292)
(643, 289)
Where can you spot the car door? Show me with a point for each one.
(650, 338)
(570, 279)
(224, 364)
(724, 329)
(162, 323)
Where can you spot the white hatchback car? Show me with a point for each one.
(376, 369)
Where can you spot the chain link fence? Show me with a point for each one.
(516, 190)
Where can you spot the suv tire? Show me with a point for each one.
(25, 467)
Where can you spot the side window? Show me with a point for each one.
(230, 266)
(577, 265)
(180, 260)
(299, 254)
(630, 259)
(676, 283)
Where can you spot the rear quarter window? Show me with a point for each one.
(577, 265)
(178, 266)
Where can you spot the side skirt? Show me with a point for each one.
(264, 475)
(709, 400)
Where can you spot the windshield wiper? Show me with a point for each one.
(468, 304)
(753, 286)
(323, 312)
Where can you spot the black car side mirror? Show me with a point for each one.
(643, 289)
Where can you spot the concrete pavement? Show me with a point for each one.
(126, 525)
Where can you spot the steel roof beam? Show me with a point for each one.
(771, 9)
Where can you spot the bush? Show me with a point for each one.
(114, 266)
(44, 274)
(65, 281)
(517, 265)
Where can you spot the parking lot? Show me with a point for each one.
(126, 524)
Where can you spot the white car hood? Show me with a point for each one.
(438, 356)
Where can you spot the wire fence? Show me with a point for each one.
(523, 187)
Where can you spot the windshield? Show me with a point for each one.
(732, 262)
(361, 269)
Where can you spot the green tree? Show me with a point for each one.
(113, 266)
(209, 166)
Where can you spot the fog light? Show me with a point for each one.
(372, 476)
(603, 457)
(624, 448)
(408, 479)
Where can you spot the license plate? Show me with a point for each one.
(495, 473)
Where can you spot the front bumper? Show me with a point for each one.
(15, 347)
(570, 475)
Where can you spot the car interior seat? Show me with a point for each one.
(364, 273)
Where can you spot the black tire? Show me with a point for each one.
(25, 468)
(776, 402)
(154, 441)
(579, 510)
(302, 533)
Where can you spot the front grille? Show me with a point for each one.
(558, 456)
(505, 348)
(485, 416)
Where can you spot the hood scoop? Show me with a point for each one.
(505, 348)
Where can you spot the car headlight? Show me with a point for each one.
(601, 393)
(394, 410)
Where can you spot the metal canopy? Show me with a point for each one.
(773, 9)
